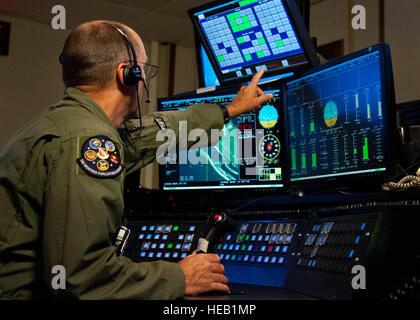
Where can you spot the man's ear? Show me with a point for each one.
(120, 73)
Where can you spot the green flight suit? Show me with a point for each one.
(53, 213)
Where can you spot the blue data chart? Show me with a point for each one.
(252, 33)
(336, 122)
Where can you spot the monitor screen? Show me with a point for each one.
(243, 36)
(248, 155)
(338, 118)
(207, 71)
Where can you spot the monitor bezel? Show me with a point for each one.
(359, 180)
(300, 29)
(255, 189)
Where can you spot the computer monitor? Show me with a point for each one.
(206, 73)
(341, 119)
(242, 36)
(249, 154)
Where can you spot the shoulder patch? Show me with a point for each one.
(100, 158)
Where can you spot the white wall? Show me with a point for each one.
(331, 21)
(30, 77)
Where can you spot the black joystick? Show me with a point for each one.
(220, 224)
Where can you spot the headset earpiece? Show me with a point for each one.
(132, 75)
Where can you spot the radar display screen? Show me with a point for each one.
(248, 154)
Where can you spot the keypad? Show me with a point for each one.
(332, 246)
(155, 241)
(261, 243)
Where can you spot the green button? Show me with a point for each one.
(176, 228)
(219, 246)
(243, 248)
(247, 237)
(170, 245)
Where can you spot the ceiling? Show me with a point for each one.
(163, 20)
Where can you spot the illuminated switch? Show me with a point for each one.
(256, 228)
(175, 228)
(273, 260)
(221, 256)
(167, 255)
(167, 229)
(184, 255)
(189, 237)
(151, 254)
(362, 228)
(191, 229)
(144, 228)
(284, 249)
(281, 260)
(260, 237)
(175, 255)
(165, 237)
(243, 248)
(253, 258)
(250, 247)
(270, 249)
(159, 229)
(246, 258)
(288, 239)
(247, 237)
(181, 237)
(149, 236)
(240, 238)
(143, 254)
(225, 246)
(227, 257)
(266, 259)
(152, 228)
(277, 249)
(170, 245)
(280, 239)
(178, 246)
(263, 248)
(159, 255)
(228, 237)
(146, 246)
(233, 258)
(357, 240)
(186, 247)
(219, 246)
(157, 236)
(239, 259)
(253, 238)
(259, 259)
(273, 238)
(141, 236)
(231, 247)
(267, 238)
(153, 246)
(244, 227)
(237, 247)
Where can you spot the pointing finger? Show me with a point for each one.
(257, 77)
(264, 98)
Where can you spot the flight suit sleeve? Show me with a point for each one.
(82, 216)
(142, 144)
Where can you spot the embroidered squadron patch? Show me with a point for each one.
(100, 158)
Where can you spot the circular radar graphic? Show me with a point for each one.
(268, 116)
(330, 114)
(270, 147)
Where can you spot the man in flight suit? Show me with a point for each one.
(62, 176)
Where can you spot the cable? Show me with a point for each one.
(405, 183)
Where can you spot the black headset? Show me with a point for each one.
(132, 73)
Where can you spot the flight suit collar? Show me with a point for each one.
(83, 100)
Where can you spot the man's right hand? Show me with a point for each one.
(203, 273)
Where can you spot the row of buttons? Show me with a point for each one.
(329, 265)
(251, 258)
(271, 239)
(251, 247)
(158, 236)
(270, 228)
(165, 228)
(154, 245)
(166, 255)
